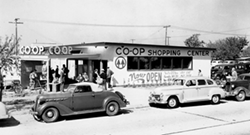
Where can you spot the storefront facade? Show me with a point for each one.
(132, 64)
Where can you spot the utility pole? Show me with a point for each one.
(168, 39)
(16, 39)
(166, 34)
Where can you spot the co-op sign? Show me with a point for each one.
(40, 50)
(159, 52)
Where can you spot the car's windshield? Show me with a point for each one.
(71, 88)
(179, 82)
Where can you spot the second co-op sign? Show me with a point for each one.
(158, 52)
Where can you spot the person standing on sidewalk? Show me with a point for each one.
(109, 76)
(234, 74)
(62, 79)
(200, 73)
(103, 75)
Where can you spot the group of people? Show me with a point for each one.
(82, 77)
(55, 76)
(104, 78)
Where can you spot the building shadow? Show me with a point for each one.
(9, 122)
(93, 115)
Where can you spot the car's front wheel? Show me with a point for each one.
(173, 102)
(241, 96)
(112, 108)
(215, 99)
(50, 115)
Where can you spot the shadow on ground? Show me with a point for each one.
(9, 122)
(233, 99)
(93, 115)
(188, 104)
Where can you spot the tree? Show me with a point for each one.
(246, 52)
(194, 41)
(229, 48)
(9, 59)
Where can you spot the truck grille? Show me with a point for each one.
(228, 88)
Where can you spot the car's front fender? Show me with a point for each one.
(238, 89)
(61, 108)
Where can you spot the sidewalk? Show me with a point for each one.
(138, 98)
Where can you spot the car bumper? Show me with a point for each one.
(5, 116)
(156, 101)
(231, 94)
(126, 102)
(35, 114)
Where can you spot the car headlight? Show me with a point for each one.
(232, 86)
(161, 95)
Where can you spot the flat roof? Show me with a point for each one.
(137, 45)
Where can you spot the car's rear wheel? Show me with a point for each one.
(241, 96)
(50, 115)
(112, 108)
(173, 102)
(215, 99)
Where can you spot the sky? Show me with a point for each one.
(78, 21)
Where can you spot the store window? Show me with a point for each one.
(144, 62)
(177, 63)
(133, 63)
(187, 63)
(166, 62)
(155, 62)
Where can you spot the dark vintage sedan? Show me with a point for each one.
(79, 98)
(240, 89)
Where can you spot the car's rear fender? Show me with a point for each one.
(61, 108)
(115, 99)
(217, 91)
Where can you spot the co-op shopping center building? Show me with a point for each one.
(132, 63)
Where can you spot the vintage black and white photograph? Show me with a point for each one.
(124, 67)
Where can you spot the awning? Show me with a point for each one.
(83, 55)
(34, 57)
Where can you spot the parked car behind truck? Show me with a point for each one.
(187, 89)
(239, 89)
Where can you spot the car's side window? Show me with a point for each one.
(201, 82)
(191, 82)
(210, 82)
(82, 89)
